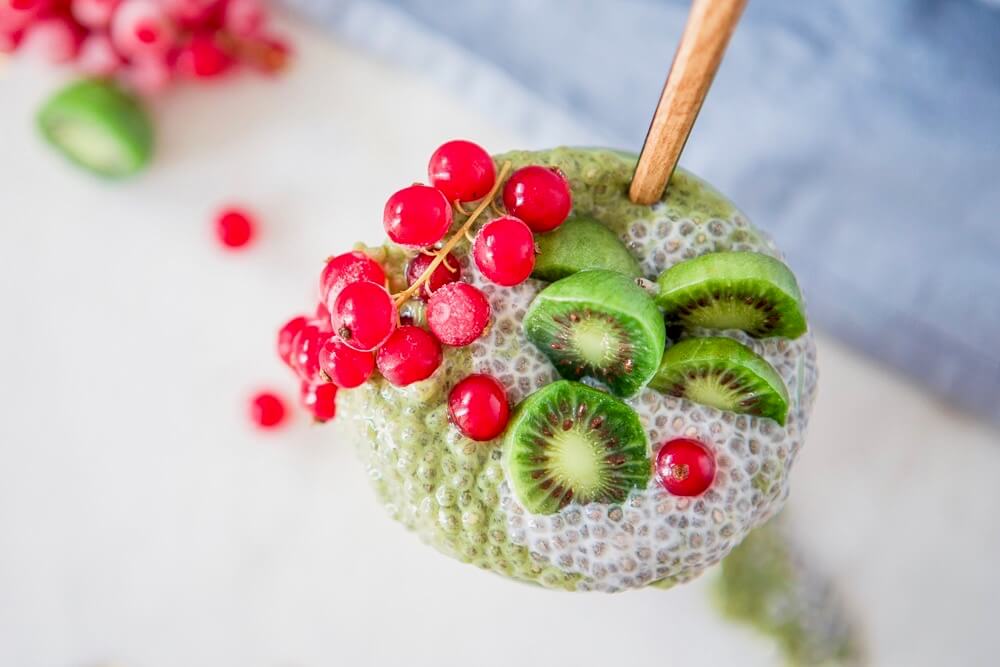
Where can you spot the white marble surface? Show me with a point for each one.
(143, 523)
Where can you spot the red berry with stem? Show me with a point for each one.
(286, 336)
(267, 410)
(685, 467)
(461, 170)
(538, 195)
(411, 354)
(504, 251)
(363, 315)
(446, 272)
(347, 368)
(417, 216)
(458, 313)
(306, 345)
(234, 227)
(342, 270)
(478, 407)
(320, 400)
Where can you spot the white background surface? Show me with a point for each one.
(144, 523)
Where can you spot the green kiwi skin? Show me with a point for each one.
(581, 243)
(600, 294)
(726, 357)
(529, 425)
(107, 109)
(740, 275)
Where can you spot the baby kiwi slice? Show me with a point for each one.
(598, 324)
(733, 290)
(568, 442)
(724, 374)
(581, 243)
(98, 126)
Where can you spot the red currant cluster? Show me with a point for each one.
(146, 43)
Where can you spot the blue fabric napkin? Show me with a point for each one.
(864, 136)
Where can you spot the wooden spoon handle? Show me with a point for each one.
(709, 27)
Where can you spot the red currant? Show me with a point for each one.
(417, 216)
(267, 410)
(97, 56)
(342, 270)
(141, 28)
(461, 170)
(347, 368)
(320, 400)
(538, 195)
(410, 355)
(363, 315)
(306, 345)
(478, 407)
(458, 314)
(203, 57)
(505, 251)
(235, 227)
(442, 275)
(93, 14)
(685, 467)
(286, 335)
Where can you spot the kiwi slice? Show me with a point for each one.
(733, 290)
(724, 374)
(598, 324)
(568, 442)
(578, 244)
(98, 126)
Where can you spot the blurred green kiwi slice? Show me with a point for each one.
(578, 244)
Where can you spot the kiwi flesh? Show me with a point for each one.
(733, 290)
(725, 374)
(599, 324)
(568, 442)
(578, 244)
(98, 126)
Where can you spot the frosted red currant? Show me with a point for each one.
(478, 407)
(306, 345)
(505, 251)
(342, 270)
(141, 28)
(411, 354)
(286, 335)
(54, 39)
(346, 367)
(461, 170)
(363, 315)
(446, 272)
(320, 400)
(458, 314)
(267, 410)
(685, 467)
(538, 195)
(417, 216)
(235, 227)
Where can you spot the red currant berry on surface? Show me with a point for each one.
(685, 467)
(347, 368)
(342, 270)
(538, 195)
(478, 407)
(363, 315)
(97, 56)
(320, 400)
(411, 354)
(149, 74)
(141, 28)
(286, 335)
(234, 227)
(442, 275)
(461, 170)
(267, 410)
(417, 216)
(504, 251)
(458, 314)
(306, 345)
(54, 39)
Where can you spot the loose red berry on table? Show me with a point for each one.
(685, 467)
(342, 270)
(346, 367)
(286, 335)
(235, 227)
(267, 410)
(461, 170)
(446, 272)
(411, 354)
(320, 400)
(478, 407)
(538, 195)
(458, 313)
(306, 345)
(504, 251)
(363, 315)
(417, 216)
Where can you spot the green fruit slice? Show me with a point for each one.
(733, 290)
(568, 442)
(598, 324)
(724, 374)
(578, 244)
(98, 126)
